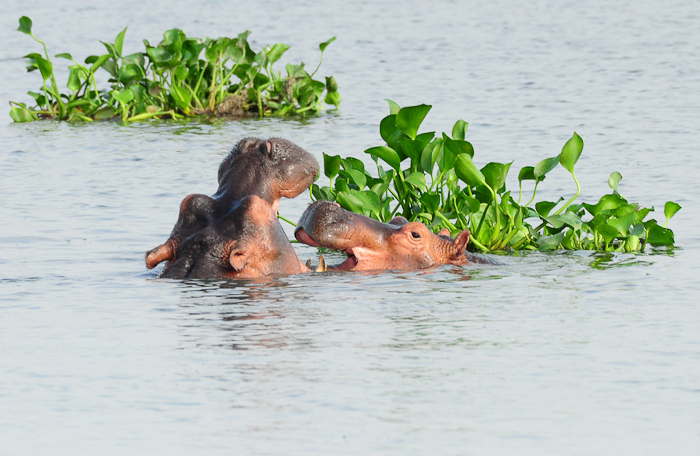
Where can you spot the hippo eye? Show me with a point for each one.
(415, 235)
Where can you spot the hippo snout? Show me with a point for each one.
(322, 220)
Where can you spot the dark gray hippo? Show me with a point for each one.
(214, 234)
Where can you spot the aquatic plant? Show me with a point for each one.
(181, 76)
(433, 179)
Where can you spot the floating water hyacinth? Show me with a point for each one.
(434, 180)
(181, 76)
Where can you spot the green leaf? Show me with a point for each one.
(545, 166)
(472, 205)
(412, 149)
(459, 146)
(45, 66)
(468, 172)
(567, 218)
(387, 154)
(174, 39)
(325, 44)
(409, 119)
(74, 80)
(380, 188)
(349, 201)
(332, 98)
(354, 176)
(159, 55)
(369, 199)
(571, 152)
(623, 224)
(550, 242)
(110, 67)
(632, 243)
(429, 155)
(642, 213)
(65, 55)
(21, 114)
(181, 96)
(119, 42)
(637, 230)
(417, 179)
(430, 201)
(545, 207)
(495, 174)
(25, 25)
(105, 113)
(180, 73)
(124, 96)
(276, 52)
(459, 131)
(526, 173)
(660, 236)
(393, 107)
(608, 232)
(98, 62)
(614, 179)
(670, 209)
(341, 185)
(331, 84)
(390, 133)
(425, 138)
(353, 163)
(606, 203)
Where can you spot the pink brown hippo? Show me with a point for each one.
(247, 242)
(373, 245)
(267, 169)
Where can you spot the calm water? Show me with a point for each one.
(546, 354)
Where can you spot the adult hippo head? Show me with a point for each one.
(269, 169)
(373, 245)
(247, 242)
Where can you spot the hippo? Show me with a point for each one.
(374, 245)
(247, 242)
(266, 169)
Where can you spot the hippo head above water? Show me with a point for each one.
(373, 245)
(267, 169)
(248, 242)
(270, 169)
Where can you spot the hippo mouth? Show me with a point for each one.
(348, 265)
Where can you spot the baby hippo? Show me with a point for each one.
(373, 245)
(267, 169)
(248, 242)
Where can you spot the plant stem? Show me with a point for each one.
(286, 220)
(578, 192)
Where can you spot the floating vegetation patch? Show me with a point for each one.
(433, 179)
(181, 76)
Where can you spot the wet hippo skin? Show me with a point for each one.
(373, 245)
(247, 242)
(267, 169)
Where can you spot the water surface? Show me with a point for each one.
(563, 353)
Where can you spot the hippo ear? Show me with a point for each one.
(238, 256)
(159, 254)
(460, 244)
(444, 232)
(398, 221)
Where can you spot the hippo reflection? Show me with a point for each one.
(373, 245)
(235, 233)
